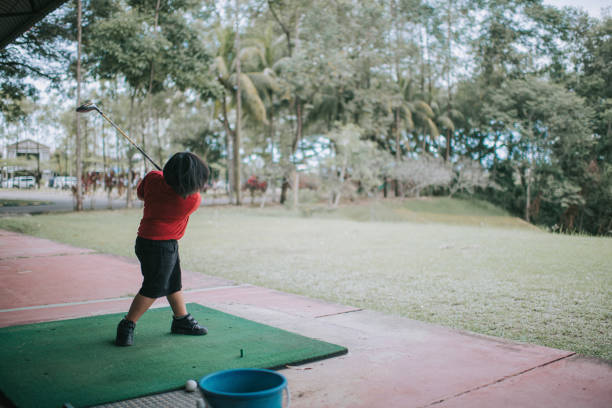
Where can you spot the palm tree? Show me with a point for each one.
(445, 119)
(224, 67)
(263, 55)
(411, 112)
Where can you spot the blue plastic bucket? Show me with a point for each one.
(244, 388)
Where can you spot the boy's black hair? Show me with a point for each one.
(186, 173)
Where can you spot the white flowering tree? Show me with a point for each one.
(354, 164)
(415, 174)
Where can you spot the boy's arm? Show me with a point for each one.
(196, 200)
(140, 189)
(153, 176)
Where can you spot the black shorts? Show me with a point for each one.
(160, 267)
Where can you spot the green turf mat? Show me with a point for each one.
(76, 361)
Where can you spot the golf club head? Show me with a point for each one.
(87, 107)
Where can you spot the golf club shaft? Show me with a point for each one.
(128, 138)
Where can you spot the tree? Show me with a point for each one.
(410, 112)
(593, 82)
(263, 56)
(552, 128)
(353, 164)
(224, 68)
(469, 175)
(192, 123)
(416, 174)
(288, 14)
(39, 53)
(122, 46)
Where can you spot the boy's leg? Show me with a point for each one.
(140, 304)
(183, 322)
(125, 329)
(177, 303)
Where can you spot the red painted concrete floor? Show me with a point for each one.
(392, 361)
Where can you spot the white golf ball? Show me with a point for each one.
(191, 386)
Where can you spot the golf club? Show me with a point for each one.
(88, 107)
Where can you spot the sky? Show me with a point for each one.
(593, 7)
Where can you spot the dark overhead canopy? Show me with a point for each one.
(17, 16)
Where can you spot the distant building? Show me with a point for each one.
(30, 149)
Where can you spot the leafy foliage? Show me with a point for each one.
(40, 53)
(354, 164)
(509, 100)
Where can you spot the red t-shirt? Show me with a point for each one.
(165, 214)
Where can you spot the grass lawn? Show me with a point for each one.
(457, 263)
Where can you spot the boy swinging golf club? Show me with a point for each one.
(170, 197)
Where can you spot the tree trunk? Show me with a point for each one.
(448, 144)
(395, 22)
(129, 202)
(429, 76)
(143, 131)
(421, 61)
(285, 29)
(238, 110)
(296, 189)
(298, 135)
(159, 141)
(448, 77)
(296, 143)
(342, 173)
(528, 193)
(398, 149)
(271, 137)
(263, 199)
(298, 129)
(106, 179)
(284, 187)
(398, 155)
(79, 162)
(229, 177)
(128, 198)
(109, 192)
(287, 32)
(271, 131)
(104, 163)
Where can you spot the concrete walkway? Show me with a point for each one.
(392, 361)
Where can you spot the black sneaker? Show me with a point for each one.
(187, 325)
(125, 333)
